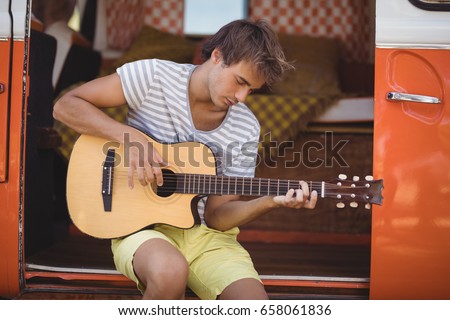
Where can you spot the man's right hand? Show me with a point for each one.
(145, 161)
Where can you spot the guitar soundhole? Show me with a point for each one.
(169, 186)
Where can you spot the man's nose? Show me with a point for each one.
(242, 94)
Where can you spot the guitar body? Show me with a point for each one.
(131, 209)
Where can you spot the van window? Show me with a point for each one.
(433, 5)
(203, 17)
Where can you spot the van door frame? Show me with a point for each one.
(13, 40)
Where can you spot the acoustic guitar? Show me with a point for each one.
(102, 205)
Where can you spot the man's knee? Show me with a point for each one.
(247, 289)
(162, 269)
(166, 281)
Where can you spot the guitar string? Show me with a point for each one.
(202, 177)
(330, 192)
(262, 179)
(254, 183)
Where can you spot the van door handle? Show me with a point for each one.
(398, 96)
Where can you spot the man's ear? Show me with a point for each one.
(216, 56)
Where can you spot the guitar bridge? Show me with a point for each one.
(107, 180)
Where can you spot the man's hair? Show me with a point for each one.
(252, 41)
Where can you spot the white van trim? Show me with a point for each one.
(400, 24)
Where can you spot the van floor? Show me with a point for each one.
(278, 260)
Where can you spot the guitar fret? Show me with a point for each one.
(235, 185)
(209, 185)
(243, 186)
(228, 185)
(251, 186)
(268, 187)
(323, 189)
(278, 187)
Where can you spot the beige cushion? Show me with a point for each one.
(154, 43)
(316, 66)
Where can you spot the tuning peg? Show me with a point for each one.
(354, 204)
(342, 176)
(367, 206)
(369, 178)
(340, 205)
(355, 178)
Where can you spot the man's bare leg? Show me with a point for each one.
(162, 269)
(244, 289)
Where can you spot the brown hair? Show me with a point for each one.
(253, 41)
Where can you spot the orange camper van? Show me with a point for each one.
(369, 97)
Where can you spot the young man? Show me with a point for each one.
(182, 102)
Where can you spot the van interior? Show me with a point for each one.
(316, 124)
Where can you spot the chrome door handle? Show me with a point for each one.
(398, 96)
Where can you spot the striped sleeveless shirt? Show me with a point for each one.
(156, 92)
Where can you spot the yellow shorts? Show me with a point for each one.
(215, 258)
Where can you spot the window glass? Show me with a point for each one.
(205, 17)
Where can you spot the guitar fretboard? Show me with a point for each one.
(219, 185)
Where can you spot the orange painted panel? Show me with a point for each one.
(11, 196)
(411, 231)
(4, 71)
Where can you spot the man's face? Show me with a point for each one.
(229, 85)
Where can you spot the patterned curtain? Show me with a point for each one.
(348, 20)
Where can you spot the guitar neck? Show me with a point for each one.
(225, 185)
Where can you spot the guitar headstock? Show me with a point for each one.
(355, 191)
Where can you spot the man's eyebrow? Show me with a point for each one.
(244, 80)
(247, 83)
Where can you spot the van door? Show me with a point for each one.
(5, 35)
(411, 231)
(13, 46)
